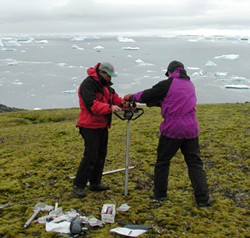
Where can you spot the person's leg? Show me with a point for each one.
(96, 174)
(191, 151)
(88, 162)
(166, 149)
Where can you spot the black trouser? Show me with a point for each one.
(92, 163)
(167, 148)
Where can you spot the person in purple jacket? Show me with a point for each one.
(177, 99)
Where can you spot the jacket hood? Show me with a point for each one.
(92, 72)
(179, 73)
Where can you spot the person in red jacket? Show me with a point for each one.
(97, 100)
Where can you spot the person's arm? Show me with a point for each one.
(93, 104)
(152, 95)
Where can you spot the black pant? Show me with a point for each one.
(92, 163)
(167, 148)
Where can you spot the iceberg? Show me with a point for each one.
(78, 38)
(228, 57)
(11, 43)
(142, 63)
(219, 74)
(193, 40)
(69, 91)
(98, 47)
(1, 42)
(200, 73)
(238, 79)
(13, 63)
(193, 68)
(238, 86)
(42, 42)
(130, 48)
(121, 39)
(8, 49)
(210, 63)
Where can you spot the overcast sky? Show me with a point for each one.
(99, 17)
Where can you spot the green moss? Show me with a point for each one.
(39, 149)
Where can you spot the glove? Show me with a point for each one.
(127, 97)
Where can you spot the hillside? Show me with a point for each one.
(39, 149)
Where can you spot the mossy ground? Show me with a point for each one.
(40, 148)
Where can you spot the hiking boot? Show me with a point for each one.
(98, 187)
(78, 192)
(206, 203)
(152, 196)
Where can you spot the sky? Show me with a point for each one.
(125, 17)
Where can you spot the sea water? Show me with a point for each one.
(35, 75)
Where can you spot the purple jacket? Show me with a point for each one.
(177, 98)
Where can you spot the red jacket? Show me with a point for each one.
(96, 97)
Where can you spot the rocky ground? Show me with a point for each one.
(4, 108)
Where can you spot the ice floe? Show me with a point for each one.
(228, 57)
(122, 39)
(130, 48)
(199, 73)
(42, 42)
(17, 82)
(11, 43)
(193, 68)
(238, 79)
(78, 38)
(237, 86)
(76, 47)
(142, 63)
(210, 63)
(13, 63)
(69, 91)
(220, 74)
(8, 49)
(98, 48)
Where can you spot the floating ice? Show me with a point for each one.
(129, 55)
(139, 61)
(61, 64)
(210, 63)
(121, 39)
(69, 91)
(78, 38)
(199, 73)
(13, 63)
(1, 42)
(193, 40)
(23, 37)
(220, 74)
(11, 43)
(8, 49)
(193, 68)
(238, 86)
(76, 47)
(42, 42)
(17, 82)
(238, 79)
(98, 47)
(130, 48)
(228, 57)
(142, 63)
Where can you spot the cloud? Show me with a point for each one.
(107, 16)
